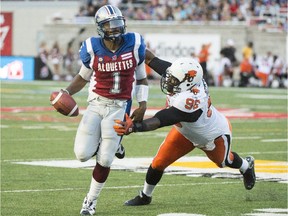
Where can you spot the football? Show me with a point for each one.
(64, 103)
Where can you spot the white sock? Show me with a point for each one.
(95, 189)
(148, 189)
(244, 166)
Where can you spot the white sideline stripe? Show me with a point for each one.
(114, 187)
(56, 98)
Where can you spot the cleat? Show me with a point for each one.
(88, 207)
(141, 199)
(120, 154)
(249, 177)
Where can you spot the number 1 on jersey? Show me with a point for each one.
(116, 83)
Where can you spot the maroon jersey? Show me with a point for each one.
(113, 74)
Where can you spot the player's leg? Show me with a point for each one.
(173, 147)
(88, 135)
(222, 156)
(86, 144)
(105, 155)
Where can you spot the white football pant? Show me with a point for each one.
(96, 130)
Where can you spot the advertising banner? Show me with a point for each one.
(171, 46)
(6, 24)
(16, 68)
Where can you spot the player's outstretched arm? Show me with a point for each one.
(162, 118)
(158, 65)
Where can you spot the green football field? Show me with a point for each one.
(41, 176)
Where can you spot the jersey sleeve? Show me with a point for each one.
(140, 71)
(189, 102)
(141, 50)
(85, 72)
(85, 52)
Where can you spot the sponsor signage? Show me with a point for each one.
(172, 46)
(6, 21)
(16, 68)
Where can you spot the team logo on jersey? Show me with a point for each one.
(114, 58)
(126, 56)
(195, 91)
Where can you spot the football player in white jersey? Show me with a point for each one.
(197, 124)
(111, 63)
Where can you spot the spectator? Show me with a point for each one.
(70, 58)
(264, 69)
(247, 51)
(233, 9)
(229, 51)
(203, 58)
(222, 72)
(56, 59)
(246, 72)
(277, 72)
(43, 55)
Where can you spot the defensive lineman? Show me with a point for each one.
(198, 124)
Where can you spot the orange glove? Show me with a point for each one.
(124, 128)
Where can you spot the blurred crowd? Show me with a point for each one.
(62, 66)
(273, 13)
(251, 69)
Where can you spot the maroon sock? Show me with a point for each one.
(100, 173)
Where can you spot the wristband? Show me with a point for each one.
(141, 92)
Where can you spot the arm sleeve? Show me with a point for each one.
(167, 117)
(173, 115)
(85, 72)
(140, 71)
(159, 65)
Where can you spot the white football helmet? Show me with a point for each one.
(110, 22)
(182, 75)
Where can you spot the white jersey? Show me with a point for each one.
(210, 125)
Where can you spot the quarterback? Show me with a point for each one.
(111, 63)
(197, 124)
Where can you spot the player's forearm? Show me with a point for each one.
(159, 66)
(76, 85)
(147, 125)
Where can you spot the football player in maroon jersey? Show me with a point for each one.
(110, 63)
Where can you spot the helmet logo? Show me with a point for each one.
(190, 75)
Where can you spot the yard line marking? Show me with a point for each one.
(263, 97)
(117, 187)
(241, 138)
(274, 140)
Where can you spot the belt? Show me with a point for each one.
(109, 101)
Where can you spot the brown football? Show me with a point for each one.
(64, 103)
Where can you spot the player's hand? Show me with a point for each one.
(124, 128)
(138, 113)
